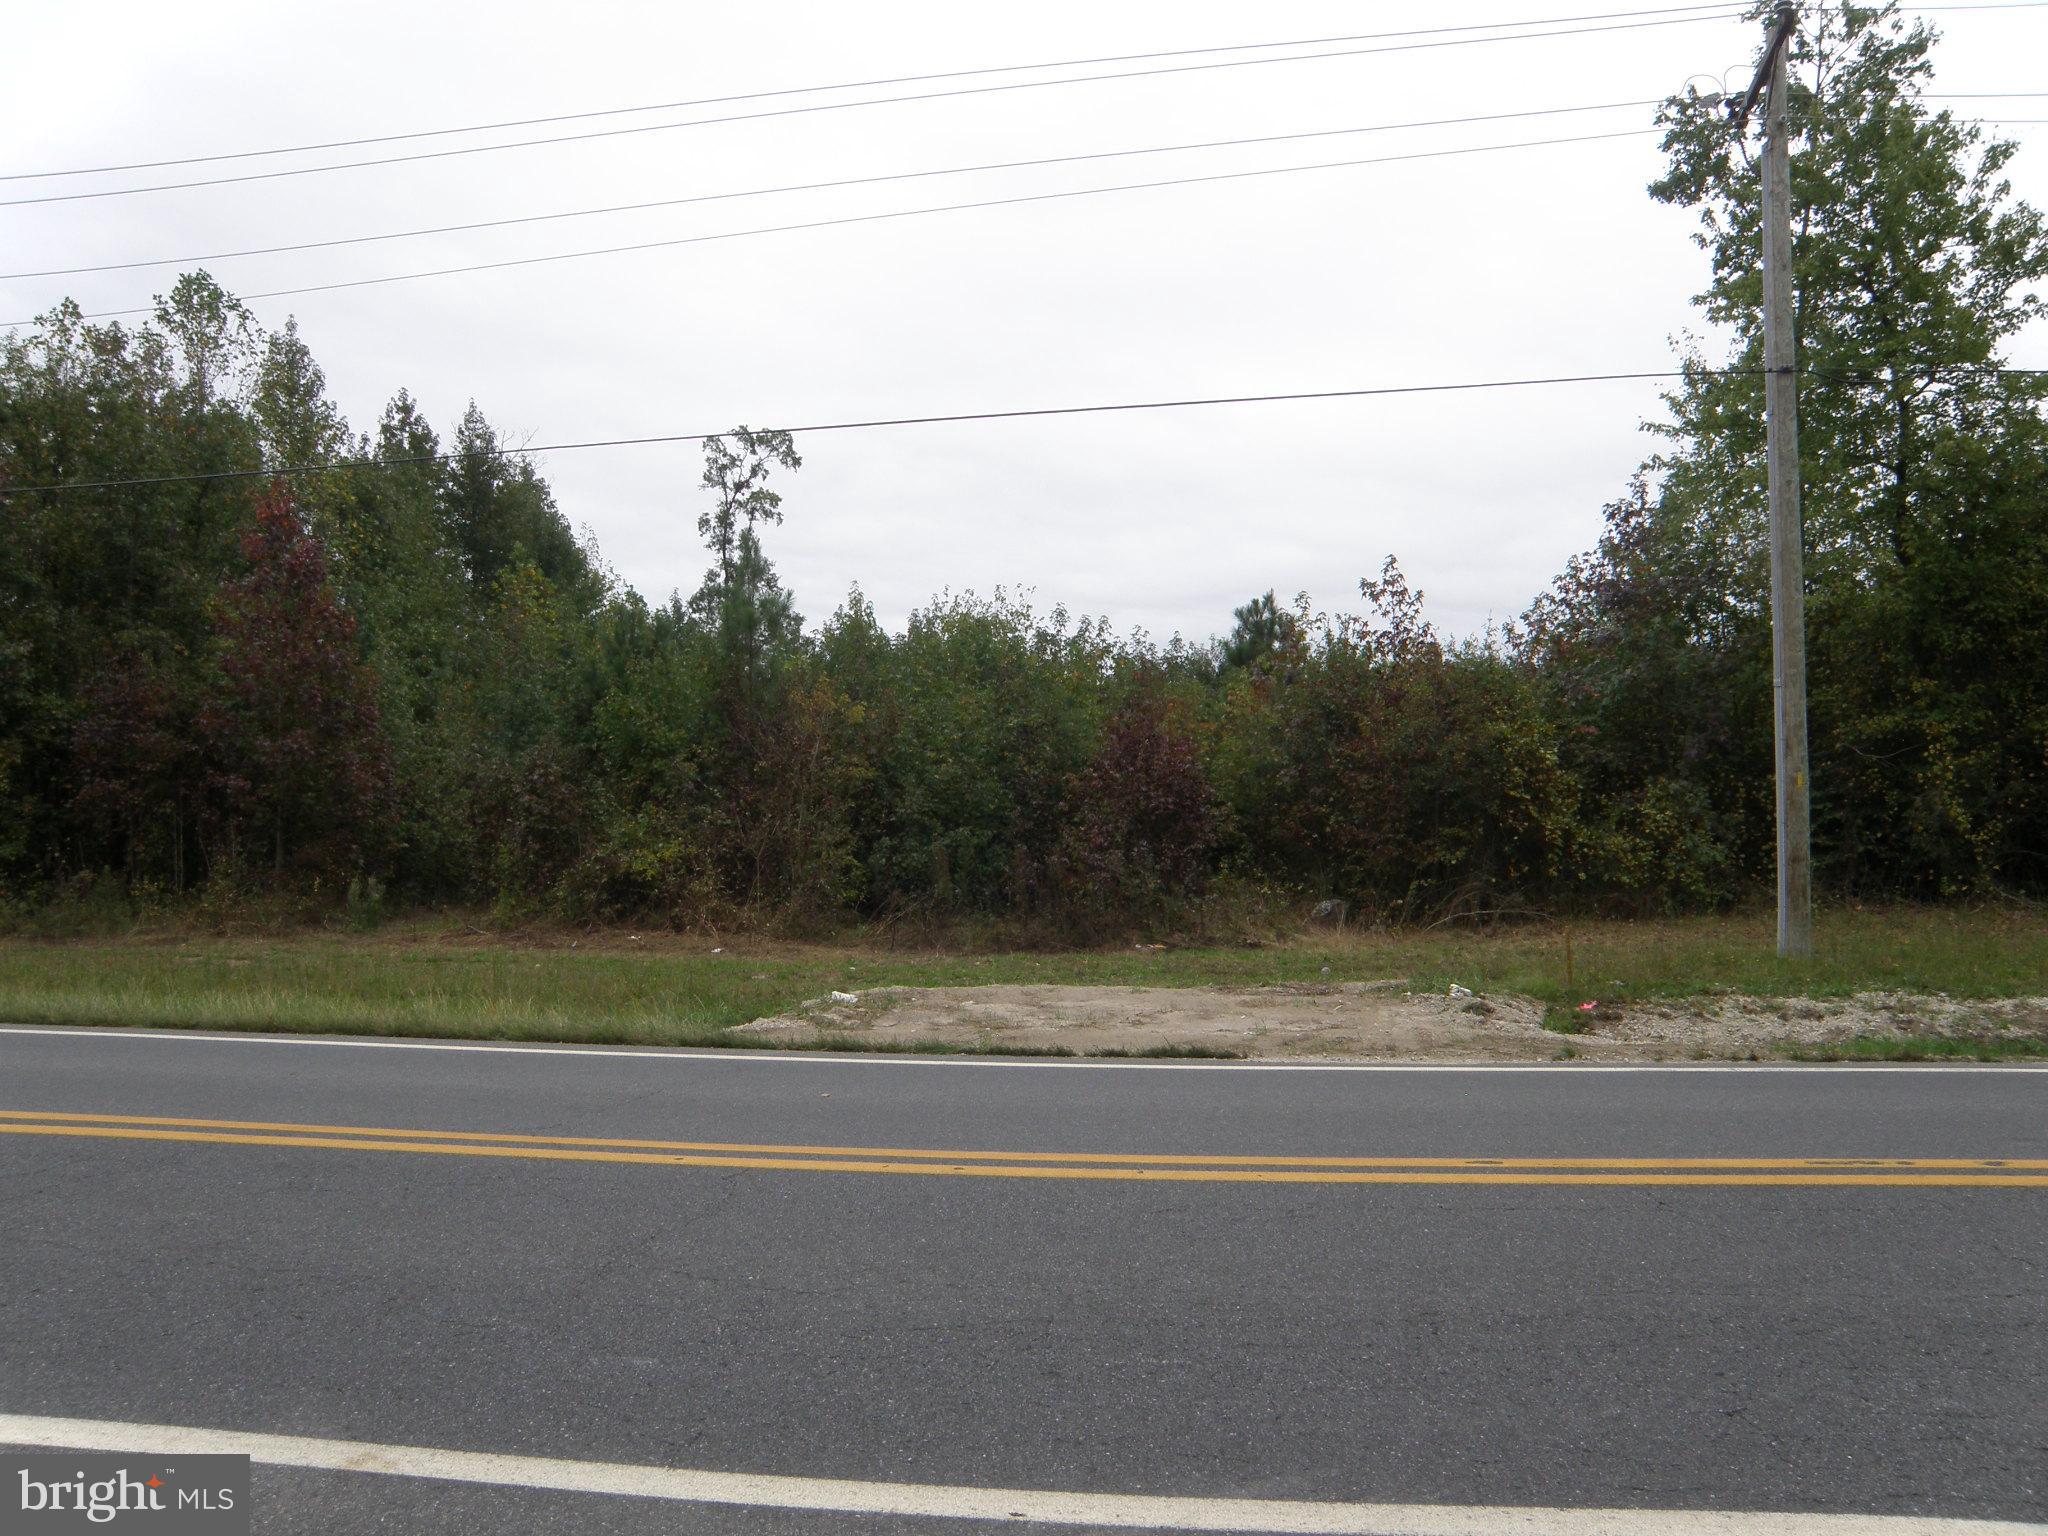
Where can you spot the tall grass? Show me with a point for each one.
(668, 990)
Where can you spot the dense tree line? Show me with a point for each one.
(411, 675)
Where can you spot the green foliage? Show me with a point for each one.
(649, 861)
(741, 602)
(1923, 1048)
(365, 906)
(423, 978)
(1367, 760)
(502, 515)
(1924, 469)
(1263, 627)
(972, 722)
(412, 677)
(1657, 688)
(106, 587)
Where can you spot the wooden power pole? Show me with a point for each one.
(1781, 427)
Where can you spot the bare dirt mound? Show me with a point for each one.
(1351, 1019)
(1737, 1025)
(1364, 1021)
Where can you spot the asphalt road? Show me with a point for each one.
(1722, 1340)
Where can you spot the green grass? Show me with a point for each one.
(1573, 1019)
(1924, 1048)
(424, 979)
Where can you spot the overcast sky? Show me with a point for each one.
(1534, 261)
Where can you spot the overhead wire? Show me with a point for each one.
(830, 106)
(954, 417)
(513, 221)
(294, 470)
(1727, 8)
(1718, 6)
(894, 214)
(819, 186)
(906, 213)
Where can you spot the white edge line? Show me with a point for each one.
(1008, 1505)
(742, 1055)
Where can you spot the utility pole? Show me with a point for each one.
(1781, 436)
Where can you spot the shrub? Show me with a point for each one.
(1140, 819)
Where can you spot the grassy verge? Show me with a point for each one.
(423, 979)
(1924, 1048)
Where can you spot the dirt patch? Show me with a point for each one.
(1352, 1019)
(1367, 1021)
(1742, 1026)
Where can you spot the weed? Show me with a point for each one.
(453, 978)
(1923, 1048)
(365, 904)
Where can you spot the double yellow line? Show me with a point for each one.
(1713, 1172)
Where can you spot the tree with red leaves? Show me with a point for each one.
(300, 761)
(1140, 817)
(135, 758)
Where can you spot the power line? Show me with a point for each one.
(856, 426)
(1719, 6)
(851, 181)
(818, 186)
(1729, 7)
(1720, 10)
(896, 213)
(1690, 371)
(833, 106)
